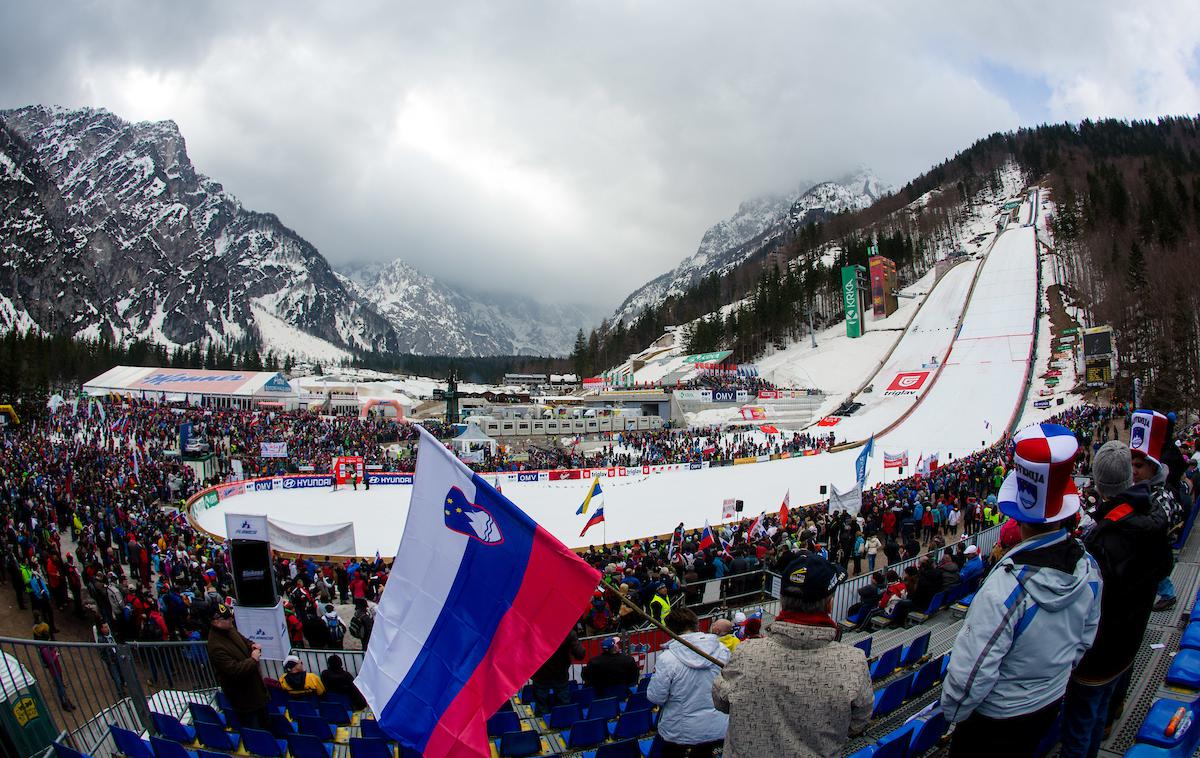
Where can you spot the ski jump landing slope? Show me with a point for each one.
(969, 405)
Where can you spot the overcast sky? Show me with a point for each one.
(571, 149)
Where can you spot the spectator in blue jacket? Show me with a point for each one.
(973, 567)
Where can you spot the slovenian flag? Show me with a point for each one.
(706, 537)
(479, 597)
(597, 517)
(596, 494)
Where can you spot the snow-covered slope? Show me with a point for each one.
(431, 317)
(756, 224)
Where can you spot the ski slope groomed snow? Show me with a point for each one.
(969, 405)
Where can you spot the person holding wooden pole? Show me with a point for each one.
(688, 724)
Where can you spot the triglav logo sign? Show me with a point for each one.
(907, 383)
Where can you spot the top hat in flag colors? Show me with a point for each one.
(1040, 489)
(1147, 432)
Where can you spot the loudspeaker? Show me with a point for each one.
(738, 505)
(824, 489)
(253, 574)
(1060, 400)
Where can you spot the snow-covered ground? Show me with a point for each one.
(981, 382)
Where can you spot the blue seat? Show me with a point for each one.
(865, 752)
(915, 651)
(129, 743)
(213, 736)
(170, 749)
(583, 696)
(622, 749)
(66, 751)
(885, 664)
(503, 721)
(223, 701)
(652, 747)
(945, 664)
(518, 744)
(334, 713)
(563, 716)
(526, 696)
(935, 604)
(277, 697)
(638, 701)
(317, 727)
(262, 742)
(894, 744)
(361, 747)
(372, 730)
(336, 698)
(507, 705)
(203, 712)
(865, 646)
(172, 728)
(892, 696)
(927, 733)
(644, 682)
(632, 724)
(279, 726)
(1191, 637)
(308, 746)
(297, 708)
(587, 733)
(605, 708)
(1185, 670)
(231, 719)
(202, 753)
(1154, 727)
(926, 676)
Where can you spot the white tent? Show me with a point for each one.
(472, 439)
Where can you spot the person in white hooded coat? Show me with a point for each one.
(688, 723)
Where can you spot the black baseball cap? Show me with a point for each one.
(810, 578)
(222, 612)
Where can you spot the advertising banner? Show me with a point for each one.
(907, 383)
(829, 421)
(272, 449)
(753, 412)
(895, 460)
(729, 509)
(266, 627)
(345, 466)
(724, 396)
(245, 527)
(852, 301)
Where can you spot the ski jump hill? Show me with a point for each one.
(980, 321)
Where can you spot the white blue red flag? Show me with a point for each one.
(478, 598)
(706, 537)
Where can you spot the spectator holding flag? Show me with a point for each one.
(688, 724)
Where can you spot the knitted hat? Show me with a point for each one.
(1039, 489)
(1147, 432)
(1112, 469)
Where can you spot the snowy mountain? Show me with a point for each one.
(431, 317)
(106, 228)
(756, 224)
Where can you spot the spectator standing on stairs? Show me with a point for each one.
(1035, 615)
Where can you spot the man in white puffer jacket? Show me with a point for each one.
(688, 723)
(1035, 615)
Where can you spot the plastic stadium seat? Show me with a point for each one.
(66, 751)
(202, 712)
(503, 721)
(231, 720)
(927, 732)
(507, 705)
(638, 701)
(865, 646)
(1185, 670)
(336, 698)
(885, 664)
(632, 724)
(895, 744)
(223, 701)
(372, 730)
(526, 696)
(563, 716)
(945, 664)
(606, 708)
(935, 605)
(864, 752)
(583, 696)
(171, 728)
(317, 727)
(213, 736)
(279, 726)
(1154, 728)
(1191, 637)
(261, 742)
(360, 747)
(915, 651)
(334, 713)
(892, 696)
(297, 708)
(518, 744)
(622, 749)
(170, 749)
(307, 746)
(587, 733)
(202, 753)
(129, 743)
(926, 676)
(278, 697)
(644, 682)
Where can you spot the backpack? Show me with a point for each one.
(337, 630)
(150, 630)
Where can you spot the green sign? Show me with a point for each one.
(716, 357)
(209, 499)
(1072, 330)
(851, 301)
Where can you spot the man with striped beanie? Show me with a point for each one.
(1035, 614)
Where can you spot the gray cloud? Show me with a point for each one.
(575, 150)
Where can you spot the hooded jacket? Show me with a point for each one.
(682, 687)
(795, 692)
(1030, 623)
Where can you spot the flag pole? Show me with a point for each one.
(636, 609)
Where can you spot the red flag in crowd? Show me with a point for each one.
(783, 509)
